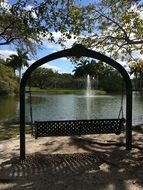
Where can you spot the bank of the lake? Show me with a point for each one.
(64, 91)
(9, 130)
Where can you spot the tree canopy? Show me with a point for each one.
(109, 26)
(117, 29)
(93, 68)
(26, 22)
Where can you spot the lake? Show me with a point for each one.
(71, 106)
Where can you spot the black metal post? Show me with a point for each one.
(129, 118)
(22, 123)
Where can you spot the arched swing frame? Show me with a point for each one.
(77, 51)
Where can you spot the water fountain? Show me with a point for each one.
(88, 87)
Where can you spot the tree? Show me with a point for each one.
(118, 29)
(112, 26)
(25, 23)
(8, 82)
(137, 70)
(92, 68)
(17, 62)
(42, 78)
(80, 69)
(103, 76)
(109, 26)
(85, 67)
(111, 81)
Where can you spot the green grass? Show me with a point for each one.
(64, 91)
(8, 131)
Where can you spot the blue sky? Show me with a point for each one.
(61, 65)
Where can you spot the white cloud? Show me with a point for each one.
(53, 67)
(46, 65)
(141, 13)
(57, 47)
(29, 8)
(5, 4)
(4, 54)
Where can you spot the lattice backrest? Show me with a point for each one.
(77, 127)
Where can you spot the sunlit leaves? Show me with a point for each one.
(25, 23)
(137, 68)
(8, 82)
(118, 29)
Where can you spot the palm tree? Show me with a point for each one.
(86, 67)
(17, 62)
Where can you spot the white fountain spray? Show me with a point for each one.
(88, 87)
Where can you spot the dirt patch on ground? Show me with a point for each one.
(73, 163)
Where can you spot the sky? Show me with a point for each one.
(61, 65)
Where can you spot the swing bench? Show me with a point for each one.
(77, 127)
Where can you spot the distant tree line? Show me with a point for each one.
(102, 77)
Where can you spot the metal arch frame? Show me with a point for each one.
(76, 51)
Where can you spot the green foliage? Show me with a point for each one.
(25, 23)
(102, 76)
(85, 67)
(42, 77)
(8, 81)
(46, 78)
(118, 29)
(111, 82)
(136, 68)
(113, 27)
(17, 62)
(107, 78)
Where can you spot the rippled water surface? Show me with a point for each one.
(64, 107)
